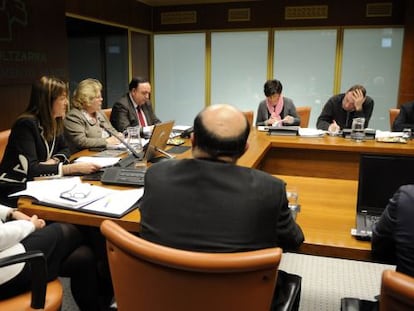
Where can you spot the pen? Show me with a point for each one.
(107, 202)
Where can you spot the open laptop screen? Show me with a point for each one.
(159, 139)
(379, 177)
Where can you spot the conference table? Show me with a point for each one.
(323, 170)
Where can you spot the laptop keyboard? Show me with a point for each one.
(123, 177)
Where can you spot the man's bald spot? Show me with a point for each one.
(224, 121)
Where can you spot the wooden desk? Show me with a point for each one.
(325, 172)
(327, 215)
(326, 157)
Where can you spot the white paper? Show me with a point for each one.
(116, 202)
(49, 192)
(181, 127)
(262, 128)
(101, 161)
(310, 132)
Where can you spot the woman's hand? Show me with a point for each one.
(37, 222)
(80, 167)
(288, 120)
(17, 215)
(112, 140)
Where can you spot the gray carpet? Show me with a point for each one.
(324, 281)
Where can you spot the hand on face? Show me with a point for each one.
(358, 99)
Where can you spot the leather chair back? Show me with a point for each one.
(394, 112)
(153, 277)
(304, 114)
(43, 295)
(53, 302)
(397, 291)
(107, 112)
(249, 116)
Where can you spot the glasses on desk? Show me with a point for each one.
(77, 192)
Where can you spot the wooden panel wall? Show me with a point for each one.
(270, 13)
(406, 92)
(30, 46)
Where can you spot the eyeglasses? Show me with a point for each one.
(76, 193)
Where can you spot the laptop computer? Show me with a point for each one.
(379, 177)
(158, 141)
(124, 172)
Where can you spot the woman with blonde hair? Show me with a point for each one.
(85, 123)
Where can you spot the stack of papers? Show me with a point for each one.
(311, 132)
(101, 161)
(390, 137)
(71, 193)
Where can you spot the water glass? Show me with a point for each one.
(293, 199)
(358, 130)
(134, 138)
(407, 133)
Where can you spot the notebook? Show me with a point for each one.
(379, 177)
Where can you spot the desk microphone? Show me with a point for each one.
(123, 141)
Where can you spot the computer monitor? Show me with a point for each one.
(379, 177)
(158, 141)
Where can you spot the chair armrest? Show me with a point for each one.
(39, 274)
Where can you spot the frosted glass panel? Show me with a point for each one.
(179, 83)
(304, 62)
(238, 68)
(372, 57)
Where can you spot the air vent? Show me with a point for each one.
(239, 15)
(379, 9)
(306, 12)
(179, 17)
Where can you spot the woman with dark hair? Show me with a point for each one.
(36, 146)
(276, 109)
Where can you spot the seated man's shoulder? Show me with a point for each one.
(266, 176)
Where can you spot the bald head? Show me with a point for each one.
(221, 130)
(224, 121)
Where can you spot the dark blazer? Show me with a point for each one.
(205, 205)
(124, 114)
(393, 235)
(288, 110)
(333, 111)
(405, 118)
(25, 150)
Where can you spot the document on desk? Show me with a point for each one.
(101, 161)
(64, 192)
(70, 193)
(116, 204)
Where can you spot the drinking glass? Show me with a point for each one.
(134, 138)
(358, 131)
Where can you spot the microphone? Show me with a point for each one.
(115, 134)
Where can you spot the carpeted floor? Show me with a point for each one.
(324, 281)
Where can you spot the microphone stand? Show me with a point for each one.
(123, 141)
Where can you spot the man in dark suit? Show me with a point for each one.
(134, 108)
(405, 118)
(393, 236)
(210, 204)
